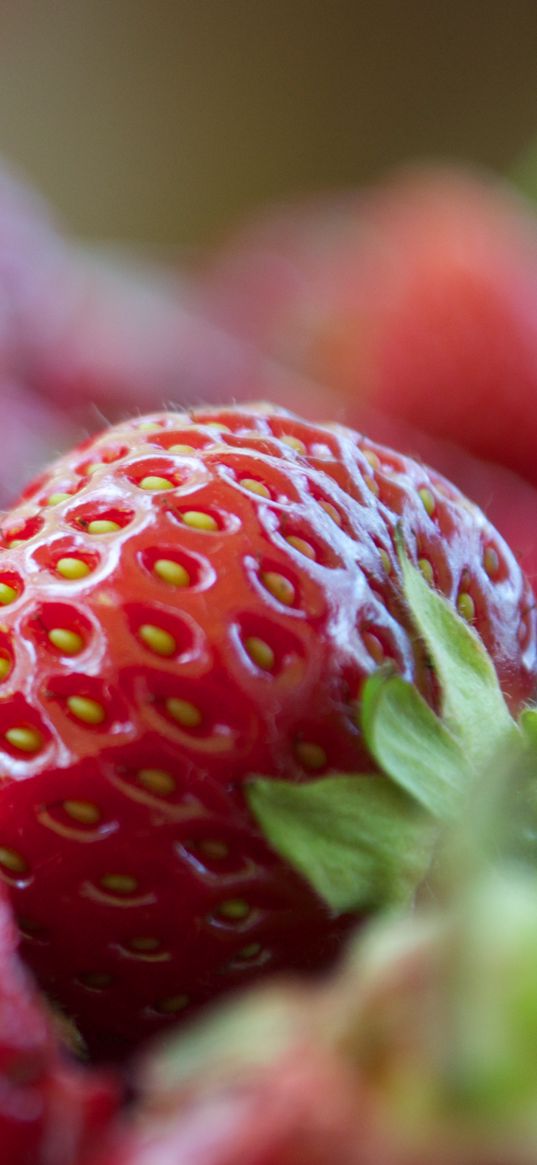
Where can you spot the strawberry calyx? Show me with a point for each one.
(369, 839)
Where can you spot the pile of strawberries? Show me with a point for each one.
(253, 668)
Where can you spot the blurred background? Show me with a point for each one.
(165, 120)
(329, 205)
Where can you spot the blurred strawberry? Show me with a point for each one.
(418, 298)
(127, 339)
(89, 333)
(420, 1049)
(50, 1109)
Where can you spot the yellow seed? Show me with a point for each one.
(57, 497)
(491, 561)
(217, 427)
(152, 481)
(214, 850)
(384, 558)
(172, 1004)
(310, 755)
(85, 812)
(426, 569)
(103, 526)
(372, 485)
(86, 709)
(14, 542)
(250, 951)
(293, 443)
(181, 449)
(144, 943)
(374, 646)
(119, 883)
(96, 980)
(279, 586)
(91, 469)
(183, 712)
(332, 512)
(68, 642)
(466, 606)
(25, 738)
(260, 652)
(428, 500)
(234, 909)
(156, 781)
(12, 860)
(255, 487)
(72, 568)
(372, 458)
(300, 545)
(7, 594)
(149, 427)
(157, 639)
(5, 666)
(199, 520)
(171, 572)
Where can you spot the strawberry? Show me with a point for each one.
(50, 1109)
(192, 602)
(416, 298)
(420, 1048)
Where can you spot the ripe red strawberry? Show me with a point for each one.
(188, 601)
(50, 1110)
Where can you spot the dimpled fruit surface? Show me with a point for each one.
(189, 599)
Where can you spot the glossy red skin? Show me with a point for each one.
(417, 298)
(252, 720)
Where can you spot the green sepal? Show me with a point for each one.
(413, 746)
(358, 840)
(473, 706)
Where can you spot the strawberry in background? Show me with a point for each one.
(417, 302)
(89, 335)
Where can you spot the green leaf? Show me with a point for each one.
(412, 745)
(528, 724)
(358, 840)
(472, 703)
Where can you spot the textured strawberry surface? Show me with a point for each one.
(189, 600)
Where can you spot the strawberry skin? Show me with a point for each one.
(190, 600)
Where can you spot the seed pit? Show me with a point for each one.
(174, 567)
(280, 586)
(86, 700)
(310, 755)
(66, 559)
(157, 475)
(98, 520)
(162, 633)
(172, 1004)
(269, 647)
(11, 587)
(95, 980)
(18, 534)
(59, 628)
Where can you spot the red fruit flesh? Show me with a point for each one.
(220, 624)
